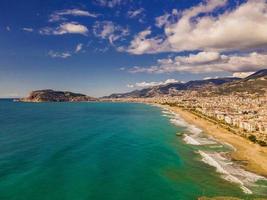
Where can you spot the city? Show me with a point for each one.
(242, 115)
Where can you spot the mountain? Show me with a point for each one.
(254, 84)
(56, 96)
(259, 74)
(173, 88)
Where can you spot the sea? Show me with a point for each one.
(113, 151)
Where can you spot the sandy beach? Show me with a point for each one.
(251, 156)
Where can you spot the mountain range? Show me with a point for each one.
(255, 83)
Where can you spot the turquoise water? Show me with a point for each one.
(80, 151)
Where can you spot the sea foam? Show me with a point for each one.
(194, 134)
(190, 140)
(230, 171)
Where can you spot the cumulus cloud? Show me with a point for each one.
(141, 43)
(145, 84)
(206, 62)
(60, 15)
(200, 58)
(54, 54)
(109, 30)
(27, 29)
(78, 47)
(201, 28)
(65, 28)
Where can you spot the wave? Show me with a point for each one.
(230, 171)
(166, 112)
(193, 129)
(179, 122)
(190, 140)
(164, 115)
(194, 136)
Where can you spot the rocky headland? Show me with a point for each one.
(56, 96)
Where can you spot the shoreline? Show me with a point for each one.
(250, 156)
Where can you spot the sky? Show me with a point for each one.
(99, 47)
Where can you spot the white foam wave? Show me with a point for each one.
(164, 115)
(195, 137)
(190, 140)
(166, 112)
(179, 122)
(193, 129)
(230, 171)
(216, 146)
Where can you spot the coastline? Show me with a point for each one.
(252, 157)
(248, 155)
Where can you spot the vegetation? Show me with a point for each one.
(252, 138)
(262, 143)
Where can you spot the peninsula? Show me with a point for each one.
(56, 96)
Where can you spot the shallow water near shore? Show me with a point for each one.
(215, 154)
(100, 151)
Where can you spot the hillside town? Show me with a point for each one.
(240, 106)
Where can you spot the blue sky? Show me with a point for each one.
(99, 47)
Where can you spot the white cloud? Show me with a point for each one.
(145, 84)
(8, 28)
(65, 28)
(27, 29)
(135, 13)
(60, 15)
(243, 27)
(167, 18)
(78, 47)
(130, 85)
(242, 74)
(200, 58)
(53, 54)
(108, 30)
(207, 78)
(162, 20)
(110, 3)
(211, 63)
(141, 44)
